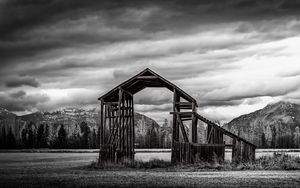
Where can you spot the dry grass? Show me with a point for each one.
(276, 162)
(69, 170)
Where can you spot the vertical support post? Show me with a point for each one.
(233, 156)
(109, 117)
(119, 124)
(252, 154)
(175, 127)
(101, 141)
(132, 130)
(194, 124)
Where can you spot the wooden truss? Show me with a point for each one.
(117, 125)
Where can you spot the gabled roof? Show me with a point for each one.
(146, 78)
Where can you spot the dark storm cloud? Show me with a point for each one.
(22, 81)
(47, 16)
(227, 97)
(18, 94)
(15, 102)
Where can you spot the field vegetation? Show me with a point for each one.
(76, 170)
(278, 161)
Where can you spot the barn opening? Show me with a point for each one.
(153, 131)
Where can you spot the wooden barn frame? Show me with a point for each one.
(117, 135)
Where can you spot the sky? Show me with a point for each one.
(233, 56)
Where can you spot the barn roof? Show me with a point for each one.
(146, 78)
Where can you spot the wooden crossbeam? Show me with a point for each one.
(122, 108)
(147, 77)
(118, 116)
(111, 103)
(184, 105)
(186, 119)
(182, 113)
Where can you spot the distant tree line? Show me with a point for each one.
(155, 137)
(85, 138)
(271, 139)
(82, 137)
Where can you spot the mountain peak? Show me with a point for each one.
(281, 103)
(272, 126)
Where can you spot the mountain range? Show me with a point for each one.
(274, 126)
(72, 119)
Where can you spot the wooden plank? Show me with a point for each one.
(132, 130)
(210, 133)
(233, 152)
(181, 113)
(186, 119)
(175, 130)
(101, 160)
(194, 124)
(185, 137)
(120, 119)
(147, 77)
(184, 105)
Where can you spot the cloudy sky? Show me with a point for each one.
(233, 56)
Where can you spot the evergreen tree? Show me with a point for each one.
(24, 138)
(52, 138)
(41, 142)
(94, 139)
(148, 139)
(3, 138)
(263, 141)
(85, 130)
(165, 124)
(11, 141)
(98, 138)
(46, 135)
(62, 137)
(74, 140)
(273, 144)
(30, 139)
(296, 138)
(154, 139)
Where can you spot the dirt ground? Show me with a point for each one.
(69, 170)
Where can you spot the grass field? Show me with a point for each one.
(70, 170)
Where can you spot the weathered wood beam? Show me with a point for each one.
(210, 135)
(175, 129)
(183, 132)
(147, 77)
(194, 124)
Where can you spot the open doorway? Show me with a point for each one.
(153, 130)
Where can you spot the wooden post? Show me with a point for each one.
(101, 152)
(233, 156)
(194, 124)
(132, 130)
(209, 133)
(119, 124)
(175, 127)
